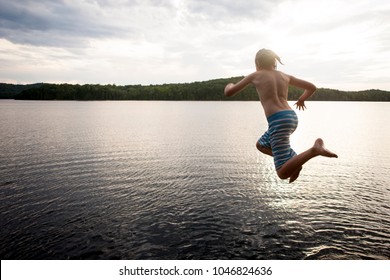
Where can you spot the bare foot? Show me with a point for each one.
(295, 175)
(321, 150)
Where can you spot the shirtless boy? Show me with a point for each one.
(272, 87)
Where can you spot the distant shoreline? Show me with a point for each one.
(211, 90)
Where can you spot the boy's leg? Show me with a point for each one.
(264, 149)
(292, 167)
(264, 144)
(295, 175)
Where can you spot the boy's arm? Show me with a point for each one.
(307, 86)
(232, 89)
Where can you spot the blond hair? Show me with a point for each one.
(266, 59)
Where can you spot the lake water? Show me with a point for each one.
(183, 180)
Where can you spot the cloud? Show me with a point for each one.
(71, 23)
(227, 10)
(54, 23)
(156, 41)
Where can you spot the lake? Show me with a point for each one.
(184, 180)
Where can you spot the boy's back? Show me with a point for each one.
(272, 87)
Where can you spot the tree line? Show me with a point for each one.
(212, 90)
(9, 91)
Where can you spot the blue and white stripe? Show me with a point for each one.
(280, 126)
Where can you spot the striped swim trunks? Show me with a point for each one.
(277, 138)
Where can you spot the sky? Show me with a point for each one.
(341, 44)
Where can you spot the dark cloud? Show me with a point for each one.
(66, 24)
(54, 23)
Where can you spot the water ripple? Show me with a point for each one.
(167, 186)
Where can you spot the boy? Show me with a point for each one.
(272, 87)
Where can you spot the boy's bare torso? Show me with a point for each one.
(272, 87)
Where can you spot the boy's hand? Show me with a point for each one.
(228, 86)
(300, 105)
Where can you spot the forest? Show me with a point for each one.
(212, 90)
